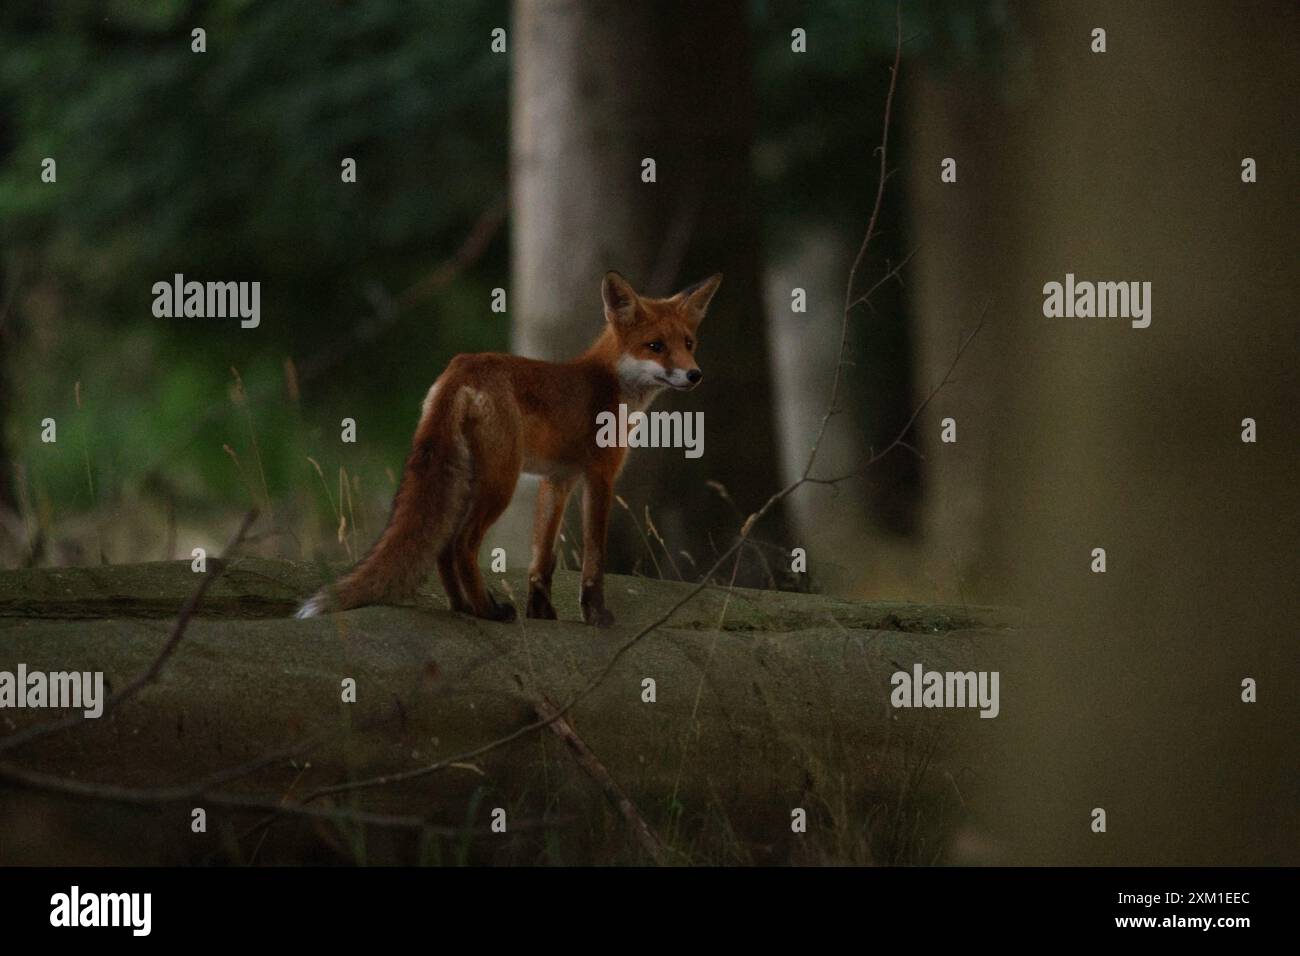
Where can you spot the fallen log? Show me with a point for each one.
(744, 708)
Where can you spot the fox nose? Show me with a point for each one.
(694, 376)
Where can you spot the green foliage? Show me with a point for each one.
(229, 160)
(226, 165)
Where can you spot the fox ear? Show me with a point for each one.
(620, 299)
(696, 298)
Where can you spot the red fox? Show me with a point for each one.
(489, 417)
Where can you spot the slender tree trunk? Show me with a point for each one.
(599, 87)
(8, 498)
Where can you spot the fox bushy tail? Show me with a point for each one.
(432, 498)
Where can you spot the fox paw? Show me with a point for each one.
(502, 611)
(597, 616)
(539, 606)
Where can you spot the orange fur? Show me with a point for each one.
(489, 417)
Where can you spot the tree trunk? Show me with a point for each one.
(1082, 433)
(8, 495)
(598, 87)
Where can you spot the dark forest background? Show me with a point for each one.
(225, 165)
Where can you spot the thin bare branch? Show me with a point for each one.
(833, 403)
(112, 793)
(590, 763)
(898, 441)
(895, 272)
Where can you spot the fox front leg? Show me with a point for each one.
(597, 497)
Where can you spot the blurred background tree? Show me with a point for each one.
(599, 89)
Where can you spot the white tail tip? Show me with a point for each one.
(312, 607)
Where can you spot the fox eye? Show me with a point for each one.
(690, 344)
(655, 346)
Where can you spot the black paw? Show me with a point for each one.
(539, 606)
(597, 616)
(502, 611)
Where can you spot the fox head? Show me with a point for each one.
(656, 337)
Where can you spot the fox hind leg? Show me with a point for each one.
(497, 456)
(551, 499)
(450, 577)
(480, 601)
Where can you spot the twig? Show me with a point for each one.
(654, 532)
(589, 762)
(891, 274)
(849, 302)
(898, 441)
(236, 801)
